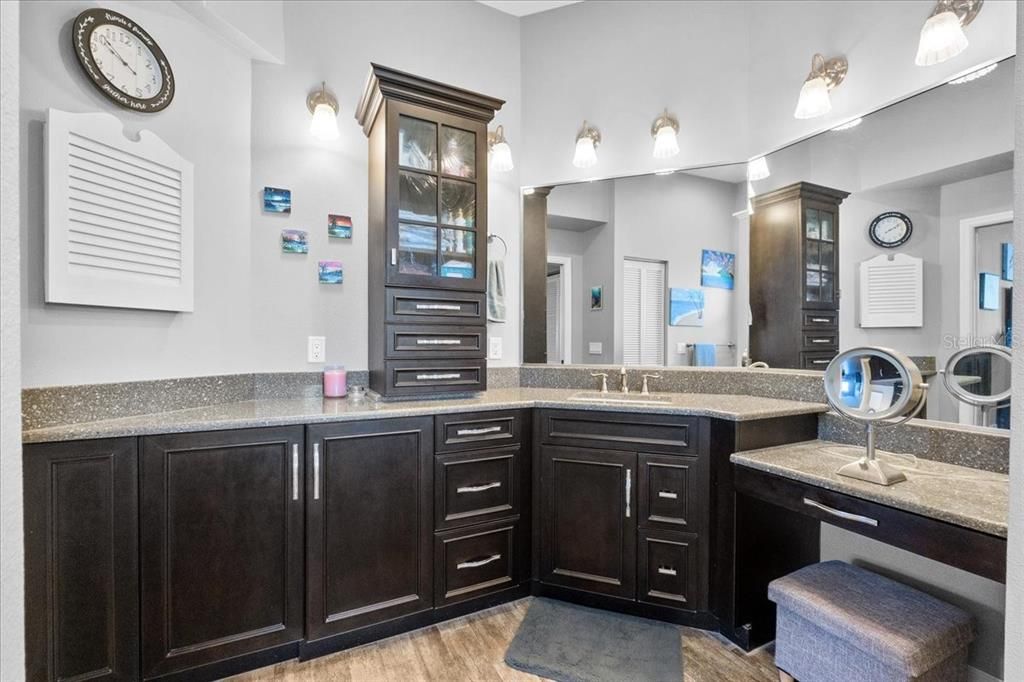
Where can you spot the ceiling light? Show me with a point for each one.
(757, 169)
(527, 191)
(852, 123)
(665, 131)
(587, 140)
(500, 152)
(974, 74)
(814, 98)
(324, 108)
(942, 36)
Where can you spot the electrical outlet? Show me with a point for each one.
(495, 348)
(316, 350)
(681, 348)
(595, 348)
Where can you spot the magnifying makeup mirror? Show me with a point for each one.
(875, 387)
(980, 376)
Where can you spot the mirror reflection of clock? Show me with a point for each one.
(890, 229)
(129, 65)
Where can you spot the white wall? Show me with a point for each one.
(256, 27)
(336, 42)
(12, 553)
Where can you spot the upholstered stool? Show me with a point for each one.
(837, 622)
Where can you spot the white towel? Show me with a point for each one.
(495, 291)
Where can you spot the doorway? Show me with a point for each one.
(559, 295)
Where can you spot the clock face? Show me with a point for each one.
(122, 60)
(890, 230)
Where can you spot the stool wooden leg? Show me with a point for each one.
(784, 676)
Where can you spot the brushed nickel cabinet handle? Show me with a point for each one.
(478, 432)
(428, 377)
(478, 563)
(668, 495)
(866, 520)
(478, 488)
(295, 471)
(666, 571)
(437, 306)
(438, 342)
(316, 471)
(824, 320)
(821, 340)
(820, 362)
(629, 487)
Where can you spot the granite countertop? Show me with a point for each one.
(254, 413)
(967, 497)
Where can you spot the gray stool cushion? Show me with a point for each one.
(837, 620)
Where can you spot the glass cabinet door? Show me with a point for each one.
(819, 256)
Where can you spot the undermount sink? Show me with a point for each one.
(621, 398)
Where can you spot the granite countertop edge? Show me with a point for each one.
(263, 413)
(877, 496)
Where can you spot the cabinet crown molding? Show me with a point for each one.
(802, 190)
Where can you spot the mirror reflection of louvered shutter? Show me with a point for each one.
(554, 331)
(631, 319)
(643, 313)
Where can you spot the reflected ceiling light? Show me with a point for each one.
(528, 191)
(499, 151)
(750, 198)
(587, 140)
(757, 169)
(814, 99)
(852, 123)
(665, 131)
(942, 36)
(667, 171)
(975, 73)
(324, 107)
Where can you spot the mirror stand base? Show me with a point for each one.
(872, 471)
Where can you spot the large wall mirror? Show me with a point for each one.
(894, 230)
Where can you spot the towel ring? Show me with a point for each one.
(492, 237)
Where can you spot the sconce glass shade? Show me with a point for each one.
(666, 144)
(324, 125)
(942, 38)
(814, 100)
(586, 153)
(757, 169)
(500, 151)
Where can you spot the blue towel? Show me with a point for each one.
(704, 354)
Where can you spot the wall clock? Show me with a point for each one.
(890, 229)
(122, 60)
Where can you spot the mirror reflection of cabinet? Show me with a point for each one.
(794, 276)
(427, 228)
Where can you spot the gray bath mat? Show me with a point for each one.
(572, 643)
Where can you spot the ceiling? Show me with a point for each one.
(520, 8)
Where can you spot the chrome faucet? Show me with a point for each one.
(644, 390)
(604, 380)
(623, 381)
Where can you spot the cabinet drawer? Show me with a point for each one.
(672, 493)
(669, 570)
(470, 563)
(455, 432)
(433, 307)
(427, 377)
(648, 433)
(476, 486)
(817, 359)
(820, 341)
(821, 319)
(431, 341)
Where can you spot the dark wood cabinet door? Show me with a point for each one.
(222, 520)
(588, 526)
(368, 524)
(81, 560)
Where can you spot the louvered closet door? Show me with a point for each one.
(554, 318)
(643, 312)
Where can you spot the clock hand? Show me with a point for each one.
(117, 54)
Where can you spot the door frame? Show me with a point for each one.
(566, 298)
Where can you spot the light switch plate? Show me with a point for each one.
(494, 348)
(595, 348)
(316, 349)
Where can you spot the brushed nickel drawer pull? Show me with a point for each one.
(821, 340)
(428, 377)
(316, 471)
(667, 571)
(668, 495)
(478, 488)
(478, 432)
(866, 520)
(823, 320)
(438, 306)
(629, 486)
(478, 563)
(820, 362)
(438, 342)
(295, 471)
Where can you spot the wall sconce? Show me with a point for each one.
(586, 146)
(757, 169)
(324, 107)
(499, 151)
(942, 36)
(665, 131)
(814, 99)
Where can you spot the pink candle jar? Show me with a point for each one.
(335, 381)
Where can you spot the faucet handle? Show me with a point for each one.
(604, 380)
(645, 390)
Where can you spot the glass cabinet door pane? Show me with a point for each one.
(417, 250)
(813, 282)
(811, 219)
(458, 203)
(417, 197)
(826, 286)
(826, 226)
(813, 256)
(417, 143)
(458, 152)
(827, 256)
(458, 254)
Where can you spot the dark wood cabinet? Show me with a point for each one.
(794, 276)
(427, 226)
(369, 523)
(81, 558)
(222, 545)
(588, 523)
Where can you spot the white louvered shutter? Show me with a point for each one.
(631, 319)
(892, 291)
(643, 313)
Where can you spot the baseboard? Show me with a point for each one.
(703, 620)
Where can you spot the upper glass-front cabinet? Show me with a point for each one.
(820, 266)
(436, 216)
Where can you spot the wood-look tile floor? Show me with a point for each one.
(473, 647)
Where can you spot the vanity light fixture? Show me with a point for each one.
(814, 99)
(587, 140)
(852, 123)
(499, 151)
(324, 107)
(757, 169)
(665, 131)
(942, 36)
(974, 74)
